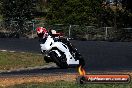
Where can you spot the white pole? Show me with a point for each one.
(70, 31)
(33, 29)
(106, 33)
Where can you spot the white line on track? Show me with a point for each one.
(3, 50)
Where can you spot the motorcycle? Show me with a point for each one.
(60, 51)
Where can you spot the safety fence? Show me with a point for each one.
(71, 31)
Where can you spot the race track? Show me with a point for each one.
(98, 55)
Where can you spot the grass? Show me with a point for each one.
(9, 60)
(63, 84)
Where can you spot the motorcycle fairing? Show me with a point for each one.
(49, 44)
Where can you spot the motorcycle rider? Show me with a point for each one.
(45, 42)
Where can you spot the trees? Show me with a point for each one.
(127, 4)
(0, 10)
(79, 12)
(82, 12)
(127, 18)
(18, 11)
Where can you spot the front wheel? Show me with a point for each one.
(60, 61)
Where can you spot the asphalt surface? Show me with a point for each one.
(98, 55)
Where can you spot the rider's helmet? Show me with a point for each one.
(41, 32)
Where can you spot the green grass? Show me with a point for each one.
(17, 60)
(62, 84)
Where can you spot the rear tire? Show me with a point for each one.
(60, 61)
(80, 58)
(47, 59)
(77, 55)
(81, 62)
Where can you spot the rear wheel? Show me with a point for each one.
(81, 61)
(47, 59)
(76, 54)
(60, 61)
(79, 57)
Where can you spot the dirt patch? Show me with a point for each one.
(13, 80)
(9, 81)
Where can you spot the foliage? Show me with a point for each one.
(41, 5)
(74, 12)
(17, 12)
(127, 4)
(81, 12)
(88, 12)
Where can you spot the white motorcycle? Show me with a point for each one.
(61, 52)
